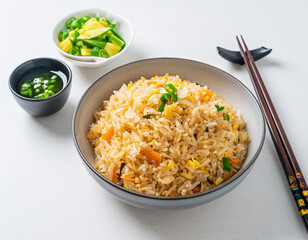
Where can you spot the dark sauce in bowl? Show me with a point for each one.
(41, 83)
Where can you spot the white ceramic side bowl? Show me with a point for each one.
(219, 81)
(123, 27)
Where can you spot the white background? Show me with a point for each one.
(46, 193)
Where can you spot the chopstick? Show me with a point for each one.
(286, 155)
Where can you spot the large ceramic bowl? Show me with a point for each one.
(219, 81)
(123, 27)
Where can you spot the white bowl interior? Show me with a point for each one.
(219, 81)
(123, 27)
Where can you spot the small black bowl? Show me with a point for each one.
(46, 106)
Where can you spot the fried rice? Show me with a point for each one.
(193, 145)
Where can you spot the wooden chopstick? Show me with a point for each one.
(282, 145)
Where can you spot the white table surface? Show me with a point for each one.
(45, 191)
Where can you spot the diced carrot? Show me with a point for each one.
(128, 178)
(232, 160)
(107, 135)
(152, 157)
(196, 190)
(209, 93)
(114, 174)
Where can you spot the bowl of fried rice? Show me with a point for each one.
(168, 133)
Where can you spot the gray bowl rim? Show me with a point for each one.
(69, 80)
(224, 184)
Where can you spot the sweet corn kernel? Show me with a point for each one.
(183, 174)
(164, 192)
(205, 99)
(202, 169)
(175, 84)
(96, 143)
(129, 85)
(218, 181)
(91, 136)
(227, 154)
(156, 91)
(95, 166)
(235, 127)
(153, 141)
(190, 163)
(168, 111)
(176, 109)
(190, 99)
(125, 186)
(170, 164)
(196, 163)
(151, 104)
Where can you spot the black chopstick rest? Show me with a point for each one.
(236, 57)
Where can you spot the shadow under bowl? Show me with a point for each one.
(228, 87)
(45, 106)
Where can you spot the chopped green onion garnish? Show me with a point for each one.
(147, 116)
(226, 163)
(74, 51)
(170, 88)
(207, 129)
(95, 51)
(165, 97)
(168, 96)
(69, 22)
(219, 108)
(226, 116)
(174, 98)
(162, 107)
(65, 34)
(103, 53)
